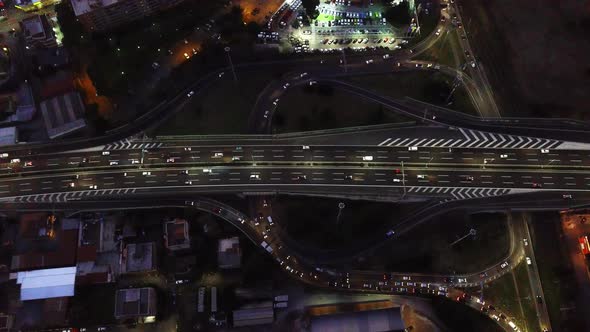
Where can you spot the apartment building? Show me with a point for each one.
(102, 15)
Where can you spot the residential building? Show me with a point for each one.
(18, 106)
(101, 15)
(38, 32)
(138, 257)
(63, 114)
(137, 304)
(176, 234)
(6, 322)
(229, 255)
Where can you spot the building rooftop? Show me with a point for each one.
(46, 283)
(8, 136)
(140, 257)
(63, 114)
(229, 255)
(135, 302)
(176, 232)
(85, 6)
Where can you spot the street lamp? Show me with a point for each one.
(227, 49)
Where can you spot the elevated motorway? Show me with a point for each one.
(410, 163)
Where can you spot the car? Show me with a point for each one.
(254, 177)
(28, 163)
(463, 280)
(421, 176)
(369, 61)
(188, 149)
(266, 114)
(305, 147)
(286, 85)
(406, 278)
(438, 31)
(93, 186)
(186, 56)
(348, 177)
(112, 163)
(15, 160)
(190, 94)
(303, 75)
(397, 180)
(206, 170)
(544, 151)
(189, 182)
(312, 83)
(483, 275)
(386, 56)
(184, 172)
(367, 158)
(275, 102)
(412, 148)
(147, 173)
(504, 265)
(469, 178)
(170, 160)
(155, 65)
(302, 177)
(4, 155)
(566, 196)
(191, 203)
(526, 242)
(528, 261)
(467, 54)
(218, 155)
(539, 299)
(72, 185)
(106, 153)
(134, 161)
(390, 233)
(537, 185)
(236, 158)
(503, 156)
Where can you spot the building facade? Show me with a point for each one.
(102, 15)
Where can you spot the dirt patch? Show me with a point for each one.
(536, 53)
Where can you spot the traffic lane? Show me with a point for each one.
(483, 157)
(350, 176)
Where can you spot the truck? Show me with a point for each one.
(280, 305)
(201, 300)
(264, 244)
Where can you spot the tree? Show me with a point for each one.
(310, 7)
(399, 15)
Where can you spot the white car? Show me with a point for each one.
(106, 153)
(188, 182)
(72, 185)
(134, 161)
(406, 278)
(367, 158)
(236, 158)
(286, 85)
(438, 31)
(503, 156)
(544, 151)
(504, 265)
(526, 242)
(112, 163)
(528, 261)
(275, 102)
(146, 173)
(421, 176)
(93, 186)
(218, 155)
(397, 180)
(206, 170)
(170, 160)
(187, 149)
(254, 177)
(463, 280)
(15, 161)
(413, 148)
(4, 155)
(305, 147)
(369, 61)
(386, 56)
(190, 94)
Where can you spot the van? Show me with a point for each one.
(367, 158)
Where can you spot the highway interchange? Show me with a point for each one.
(435, 160)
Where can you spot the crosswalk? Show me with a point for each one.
(459, 192)
(67, 196)
(128, 144)
(475, 139)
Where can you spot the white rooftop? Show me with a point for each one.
(46, 283)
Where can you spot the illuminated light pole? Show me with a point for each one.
(341, 207)
(227, 49)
